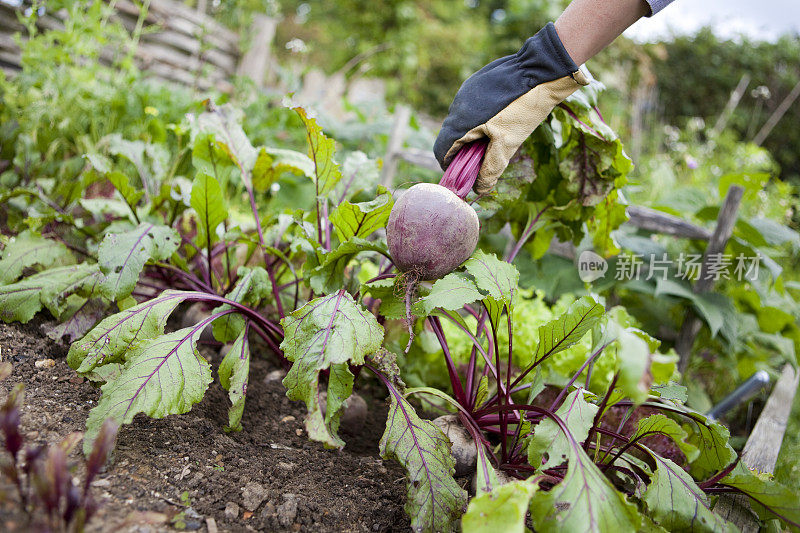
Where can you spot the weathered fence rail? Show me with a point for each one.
(177, 43)
(762, 448)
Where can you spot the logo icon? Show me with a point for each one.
(591, 266)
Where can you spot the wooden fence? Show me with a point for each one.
(177, 43)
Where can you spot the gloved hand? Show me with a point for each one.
(506, 100)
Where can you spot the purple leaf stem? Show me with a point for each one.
(455, 381)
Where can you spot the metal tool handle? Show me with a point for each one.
(743, 392)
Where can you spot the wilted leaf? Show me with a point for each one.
(80, 321)
(233, 373)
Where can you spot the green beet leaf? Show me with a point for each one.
(327, 331)
(207, 201)
(494, 276)
(452, 292)
(671, 391)
(252, 286)
(504, 509)
(770, 499)
(50, 288)
(549, 441)
(585, 500)
(633, 357)
(109, 340)
(659, 424)
(363, 218)
(130, 194)
(233, 372)
(123, 255)
(162, 376)
(566, 330)
(29, 249)
(320, 151)
(329, 275)
(434, 500)
(677, 503)
(223, 124)
(212, 158)
(711, 439)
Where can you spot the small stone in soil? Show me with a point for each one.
(275, 376)
(283, 470)
(354, 413)
(253, 494)
(287, 511)
(231, 510)
(211, 525)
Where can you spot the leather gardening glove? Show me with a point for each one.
(506, 100)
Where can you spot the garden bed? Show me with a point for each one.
(278, 479)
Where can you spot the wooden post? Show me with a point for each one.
(256, 60)
(716, 245)
(777, 115)
(762, 448)
(730, 107)
(402, 114)
(666, 224)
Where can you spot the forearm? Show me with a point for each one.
(588, 26)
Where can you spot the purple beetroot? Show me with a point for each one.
(431, 229)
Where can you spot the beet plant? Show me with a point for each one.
(568, 456)
(41, 476)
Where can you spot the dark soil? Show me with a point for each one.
(270, 474)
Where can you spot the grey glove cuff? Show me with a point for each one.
(657, 5)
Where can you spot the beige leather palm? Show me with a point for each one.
(509, 128)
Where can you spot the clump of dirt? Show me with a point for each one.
(186, 472)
